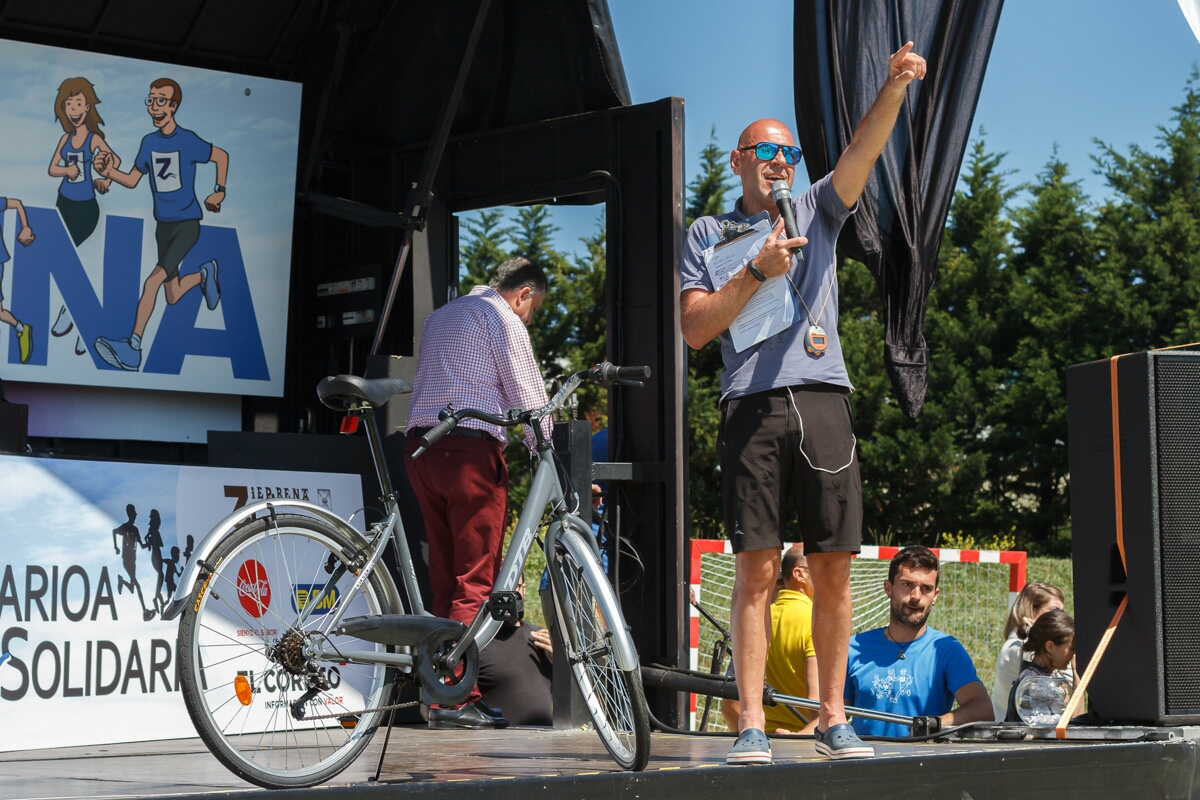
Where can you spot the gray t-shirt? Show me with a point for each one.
(782, 360)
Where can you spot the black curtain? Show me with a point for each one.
(841, 52)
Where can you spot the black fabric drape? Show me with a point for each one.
(841, 52)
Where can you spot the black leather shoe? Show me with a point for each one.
(468, 716)
(488, 710)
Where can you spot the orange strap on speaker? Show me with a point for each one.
(1116, 439)
(1060, 730)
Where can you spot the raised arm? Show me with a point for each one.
(875, 128)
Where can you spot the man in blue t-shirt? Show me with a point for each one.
(786, 434)
(169, 155)
(908, 668)
(25, 237)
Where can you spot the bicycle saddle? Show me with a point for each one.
(344, 392)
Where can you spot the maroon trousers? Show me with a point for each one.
(461, 484)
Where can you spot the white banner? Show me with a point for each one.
(92, 552)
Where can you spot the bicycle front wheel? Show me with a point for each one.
(615, 699)
(266, 709)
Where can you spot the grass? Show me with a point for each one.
(534, 566)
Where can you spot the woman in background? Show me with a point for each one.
(1033, 601)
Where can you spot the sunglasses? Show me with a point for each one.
(765, 151)
(157, 101)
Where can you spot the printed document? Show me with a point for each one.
(772, 308)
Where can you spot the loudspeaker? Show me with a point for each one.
(1150, 673)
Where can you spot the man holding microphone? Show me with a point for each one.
(786, 429)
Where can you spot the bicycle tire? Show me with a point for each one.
(236, 618)
(614, 697)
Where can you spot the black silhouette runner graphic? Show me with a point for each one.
(131, 540)
(154, 543)
(172, 568)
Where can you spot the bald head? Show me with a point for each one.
(765, 130)
(758, 175)
(794, 568)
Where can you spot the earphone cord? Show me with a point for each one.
(853, 441)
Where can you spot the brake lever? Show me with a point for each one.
(626, 382)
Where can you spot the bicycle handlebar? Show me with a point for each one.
(433, 434)
(603, 374)
(607, 374)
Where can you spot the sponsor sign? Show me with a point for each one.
(93, 553)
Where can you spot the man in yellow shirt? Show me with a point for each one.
(791, 659)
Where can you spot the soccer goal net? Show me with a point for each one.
(977, 588)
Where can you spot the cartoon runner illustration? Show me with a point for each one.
(154, 544)
(169, 154)
(25, 237)
(75, 108)
(131, 540)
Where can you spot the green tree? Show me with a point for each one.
(587, 338)
(532, 237)
(483, 249)
(707, 191)
(707, 197)
(1051, 328)
(1150, 234)
(923, 477)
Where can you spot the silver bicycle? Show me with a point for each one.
(293, 639)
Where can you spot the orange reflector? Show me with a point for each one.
(349, 423)
(348, 722)
(241, 685)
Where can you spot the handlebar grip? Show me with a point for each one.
(433, 434)
(607, 374)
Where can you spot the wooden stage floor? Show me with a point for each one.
(538, 763)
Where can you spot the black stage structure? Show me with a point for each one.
(413, 113)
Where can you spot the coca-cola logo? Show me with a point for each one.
(254, 588)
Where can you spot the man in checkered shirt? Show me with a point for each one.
(475, 353)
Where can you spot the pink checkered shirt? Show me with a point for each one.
(475, 353)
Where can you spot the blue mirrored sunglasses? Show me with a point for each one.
(765, 151)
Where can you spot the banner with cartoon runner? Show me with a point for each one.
(93, 551)
(145, 223)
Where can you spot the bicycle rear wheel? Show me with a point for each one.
(614, 696)
(243, 668)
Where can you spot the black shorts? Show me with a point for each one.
(175, 240)
(762, 467)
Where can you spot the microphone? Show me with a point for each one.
(782, 195)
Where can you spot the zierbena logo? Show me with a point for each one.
(254, 588)
(303, 593)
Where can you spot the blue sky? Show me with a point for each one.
(1061, 74)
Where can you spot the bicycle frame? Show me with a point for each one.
(545, 491)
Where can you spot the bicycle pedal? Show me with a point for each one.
(506, 606)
